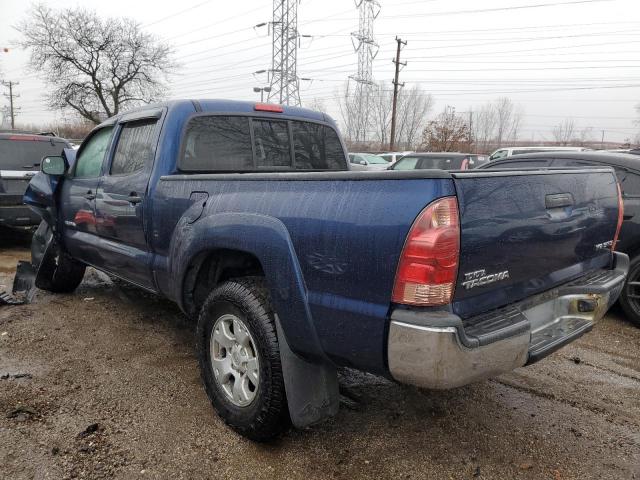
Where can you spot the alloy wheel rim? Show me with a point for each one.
(234, 360)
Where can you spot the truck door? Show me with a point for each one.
(78, 194)
(122, 200)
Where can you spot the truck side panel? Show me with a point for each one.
(347, 236)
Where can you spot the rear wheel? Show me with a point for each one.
(240, 359)
(630, 296)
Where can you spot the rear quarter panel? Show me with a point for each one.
(346, 236)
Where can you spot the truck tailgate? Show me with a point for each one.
(524, 232)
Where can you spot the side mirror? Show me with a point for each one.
(363, 162)
(54, 165)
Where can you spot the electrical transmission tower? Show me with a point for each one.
(367, 49)
(285, 84)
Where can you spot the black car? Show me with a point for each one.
(627, 168)
(440, 160)
(20, 156)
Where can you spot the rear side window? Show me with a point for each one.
(134, 149)
(91, 156)
(26, 154)
(224, 143)
(217, 143)
(316, 147)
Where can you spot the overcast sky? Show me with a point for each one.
(559, 59)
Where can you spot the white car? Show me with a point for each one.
(367, 161)
(509, 151)
(393, 157)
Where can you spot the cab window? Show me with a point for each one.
(90, 158)
(135, 147)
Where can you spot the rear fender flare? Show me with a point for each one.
(268, 240)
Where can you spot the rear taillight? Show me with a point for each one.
(620, 218)
(428, 264)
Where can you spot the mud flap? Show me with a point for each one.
(22, 291)
(312, 388)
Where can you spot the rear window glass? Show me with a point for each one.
(316, 147)
(134, 149)
(27, 154)
(273, 148)
(217, 143)
(223, 143)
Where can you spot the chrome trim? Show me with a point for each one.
(435, 357)
(17, 174)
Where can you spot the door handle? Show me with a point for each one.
(90, 195)
(558, 200)
(133, 198)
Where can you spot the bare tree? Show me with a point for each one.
(448, 132)
(381, 114)
(95, 66)
(563, 133)
(413, 107)
(637, 123)
(348, 112)
(317, 104)
(484, 127)
(507, 119)
(584, 136)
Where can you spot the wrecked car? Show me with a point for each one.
(247, 217)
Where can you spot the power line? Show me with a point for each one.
(188, 9)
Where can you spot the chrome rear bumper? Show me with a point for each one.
(438, 350)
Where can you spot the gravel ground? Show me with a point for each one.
(104, 383)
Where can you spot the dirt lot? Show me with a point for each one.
(104, 384)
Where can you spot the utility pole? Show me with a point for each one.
(396, 84)
(11, 96)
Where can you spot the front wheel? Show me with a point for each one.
(630, 296)
(240, 359)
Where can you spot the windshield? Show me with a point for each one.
(437, 162)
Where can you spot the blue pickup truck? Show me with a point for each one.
(247, 217)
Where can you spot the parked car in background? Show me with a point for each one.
(367, 161)
(509, 151)
(442, 161)
(634, 151)
(20, 156)
(245, 215)
(627, 169)
(393, 157)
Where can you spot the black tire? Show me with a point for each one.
(267, 415)
(630, 296)
(58, 272)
